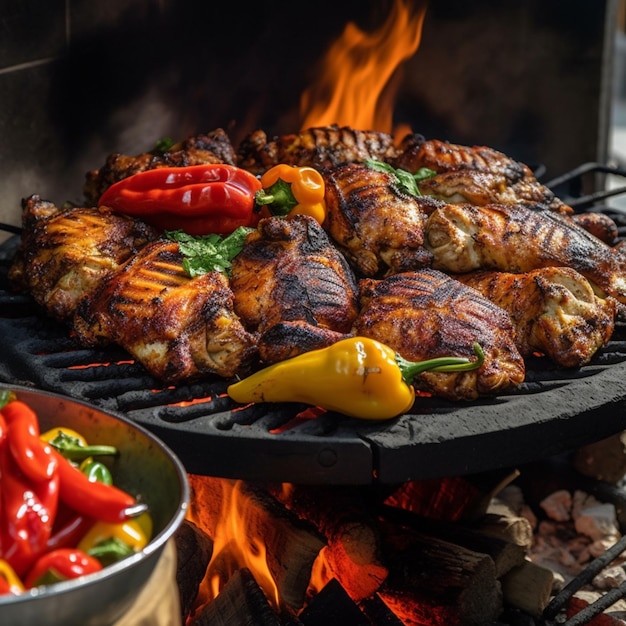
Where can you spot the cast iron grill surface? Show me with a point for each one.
(554, 410)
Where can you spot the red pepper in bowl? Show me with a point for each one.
(94, 499)
(199, 199)
(33, 456)
(61, 564)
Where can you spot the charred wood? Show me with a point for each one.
(291, 544)
(345, 517)
(193, 553)
(332, 606)
(438, 582)
(240, 602)
(505, 554)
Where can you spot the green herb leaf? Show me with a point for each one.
(110, 551)
(209, 253)
(406, 181)
(163, 145)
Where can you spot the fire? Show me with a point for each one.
(235, 544)
(361, 73)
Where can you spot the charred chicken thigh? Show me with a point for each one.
(516, 238)
(554, 310)
(179, 328)
(377, 225)
(65, 253)
(426, 314)
(473, 174)
(292, 288)
(318, 147)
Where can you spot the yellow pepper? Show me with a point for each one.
(357, 376)
(289, 190)
(110, 542)
(53, 433)
(10, 582)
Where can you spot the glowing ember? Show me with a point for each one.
(359, 80)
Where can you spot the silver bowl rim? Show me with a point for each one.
(155, 545)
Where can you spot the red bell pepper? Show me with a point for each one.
(94, 499)
(28, 512)
(198, 199)
(33, 456)
(61, 564)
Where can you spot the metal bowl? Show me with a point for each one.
(146, 468)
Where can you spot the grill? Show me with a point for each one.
(553, 411)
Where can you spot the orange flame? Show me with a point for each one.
(235, 546)
(359, 81)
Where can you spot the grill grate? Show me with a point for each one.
(554, 410)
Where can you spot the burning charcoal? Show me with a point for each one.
(333, 607)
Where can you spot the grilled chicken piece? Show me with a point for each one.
(64, 254)
(293, 288)
(379, 227)
(516, 238)
(319, 147)
(600, 225)
(179, 328)
(554, 311)
(213, 147)
(426, 314)
(476, 174)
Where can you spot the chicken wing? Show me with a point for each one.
(179, 328)
(473, 174)
(426, 314)
(516, 238)
(554, 310)
(293, 288)
(378, 226)
(64, 254)
(320, 147)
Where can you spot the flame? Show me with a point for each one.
(235, 545)
(360, 76)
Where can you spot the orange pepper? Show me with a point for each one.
(289, 190)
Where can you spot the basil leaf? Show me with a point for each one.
(209, 253)
(406, 181)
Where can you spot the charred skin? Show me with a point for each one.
(515, 238)
(179, 328)
(320, 147)
(427, 314)
(474, 174)
(64, 254)
(378, 227)
(293, 288)
(554, 310)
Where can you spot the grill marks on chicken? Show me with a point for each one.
(213, 147)
(377, 226)
(515, 238)
(292, 288)
(554, 310)
(426, 314)
(320, 147)
(473, 174)
(64, 254)
(179, 328)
